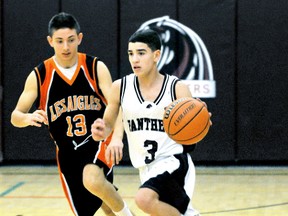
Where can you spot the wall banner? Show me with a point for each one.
(184, 55)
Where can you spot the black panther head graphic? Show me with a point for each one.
(183, 52)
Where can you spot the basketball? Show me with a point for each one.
(186, 121)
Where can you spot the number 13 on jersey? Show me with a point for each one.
(76, 125)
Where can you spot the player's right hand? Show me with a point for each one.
(37, 118)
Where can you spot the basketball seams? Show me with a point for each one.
(200, 133)
(186, 121)
(172, 115)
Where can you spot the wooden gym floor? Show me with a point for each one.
(227, 191)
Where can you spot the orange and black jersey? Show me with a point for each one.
(71, 105)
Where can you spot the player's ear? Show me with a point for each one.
(157, 54)
(49, 39)
(80, 37)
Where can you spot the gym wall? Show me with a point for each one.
(246, 41)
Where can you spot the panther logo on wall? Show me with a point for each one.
(184, 55)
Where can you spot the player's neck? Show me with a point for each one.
(66, 64)
(153, 79)
(151, 87)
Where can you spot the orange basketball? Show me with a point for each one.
(186, 121)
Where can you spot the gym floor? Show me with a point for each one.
(228, 190)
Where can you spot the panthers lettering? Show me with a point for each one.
(145, 124)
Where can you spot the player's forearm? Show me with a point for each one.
(19, 119)
(118, 129)
(113, 122)
(109, 128)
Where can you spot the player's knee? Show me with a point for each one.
(93, 177)
(144, 200)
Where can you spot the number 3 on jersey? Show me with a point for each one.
(76, 125)
(153, 146)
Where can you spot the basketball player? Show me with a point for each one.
(71, 90)
(167, 174)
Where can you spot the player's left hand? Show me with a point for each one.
(207, 109)
(98, 130)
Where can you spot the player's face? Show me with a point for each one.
(65, 43)
(142, 59)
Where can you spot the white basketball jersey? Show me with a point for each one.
(143, 121)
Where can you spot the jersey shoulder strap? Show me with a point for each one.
(91, 63)
(174, 80)
(123, 88)
(43, 74)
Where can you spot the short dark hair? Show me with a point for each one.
(63, 20)
(147, 36)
